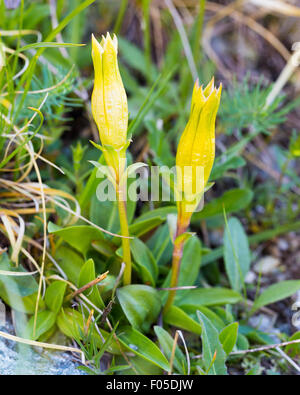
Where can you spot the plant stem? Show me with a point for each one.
(176, 262)
(125, 233)
(120, 17)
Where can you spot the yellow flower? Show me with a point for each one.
(196, 148)
(109, 101)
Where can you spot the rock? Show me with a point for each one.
(266, 265)
(20, 359)
(250, 277)
(283, 245)
(265, 324)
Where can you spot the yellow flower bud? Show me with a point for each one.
(196, 148)
(109, 101)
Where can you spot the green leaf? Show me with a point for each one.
(161, 213)
(233, 201)
(159, 144)
(140, 228)
(293, 350)
(166, 342)
(276, 292)
(214, 318)
(16, 302)
(21, 285)
(161, 245)
(46, 45)
(141, 305)
(79, 237)
(54, 295)
(228, 337)
(242, 342)
(145, 261)
(86, 275)
(177, 317)
(214, 356)
(104, 247)
(105, 213)
(189, 269)
(141, 366)
(236, 253)
(135, 58)
(70, 262)
(253, 239)
(45, 321)
(221, 166)
(18, 292)
(209, 297)
(255, 335)
(143, 347)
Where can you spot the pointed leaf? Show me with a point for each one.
(143, 347)
(214, 356)
(140, 304)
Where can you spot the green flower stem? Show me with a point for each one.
(125, 233)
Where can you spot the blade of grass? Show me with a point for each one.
(254, 239)
(152, 96)
(27, 76)
(120, 16)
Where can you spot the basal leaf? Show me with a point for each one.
(143, 347)
(276, 292)
(236, 253)
(145, 261)
(228, 337)
(177, 317)
(45, 321)
(86, 275)
(140, 304)
(214, 356)
(233, 201)
(79, 237)
(209, 297)
(54, 295)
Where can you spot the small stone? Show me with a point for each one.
(283, 245)
(294, 243)
(262, 322)
(250, 277)
(266, 265)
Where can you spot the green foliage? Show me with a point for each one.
(214, 356)
(167, 342)
(140, 345)
(276, 292)
(236, 253)
(123, 329)
(228, 337)
(140, 315)
(244, 106)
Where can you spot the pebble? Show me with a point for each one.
(20, 359)
(266, 264)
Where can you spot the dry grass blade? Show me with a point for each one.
(278, 6)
